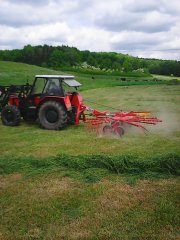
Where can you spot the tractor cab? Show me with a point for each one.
(53, 85)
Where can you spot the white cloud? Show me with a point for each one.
(28, 2)
(40, 34)
(90, 38)
(142, 6)
(132, 26)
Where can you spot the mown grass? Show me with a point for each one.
(72, 184)
(124, 163)
(162, 101)
(32, 141)
(165, 77)
(54, 206)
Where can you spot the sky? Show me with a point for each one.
(143, 28)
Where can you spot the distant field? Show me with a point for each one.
(20, 73)
(72, 184)
(166, 77)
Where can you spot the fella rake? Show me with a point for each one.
(115, 123)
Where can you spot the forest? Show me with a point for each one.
(68, 58)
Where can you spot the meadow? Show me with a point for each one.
(72, 184)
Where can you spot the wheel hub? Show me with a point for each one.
(9, 116)
(51, 116)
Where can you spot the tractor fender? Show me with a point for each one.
(14, 100)
(77, 101)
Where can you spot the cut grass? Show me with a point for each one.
(162, 77)
(86, 164)
(32, 141)
(163, 101)
(55, 207)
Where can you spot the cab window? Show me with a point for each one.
(39, 85)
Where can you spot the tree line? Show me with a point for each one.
(70, 57)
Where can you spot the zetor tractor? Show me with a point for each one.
(45, 100)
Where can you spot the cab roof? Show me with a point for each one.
(69, 80)
(55, 76)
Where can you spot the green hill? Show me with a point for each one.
(20, 73)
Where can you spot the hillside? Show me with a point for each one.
(20, 73)
(68, 58)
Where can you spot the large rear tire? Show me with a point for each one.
(52, 116)
(10, 116)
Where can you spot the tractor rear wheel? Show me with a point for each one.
(52, 116)
(10, 116)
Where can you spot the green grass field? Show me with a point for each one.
(72, 184)
(165, 77)
(19, 73)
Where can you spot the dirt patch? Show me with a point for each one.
(34, 233)
(51, 187)
(121, 196)
(9, 180)
(115, 200)
(117, 197)
(78, 229)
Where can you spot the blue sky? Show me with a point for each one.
(148, 28)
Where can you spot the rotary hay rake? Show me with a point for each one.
(115, 123)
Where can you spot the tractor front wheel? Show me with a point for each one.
(52, 116)
(10, 116)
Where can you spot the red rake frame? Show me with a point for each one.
(116, 122)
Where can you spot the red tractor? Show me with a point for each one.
(50, 102)
(45, 100)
